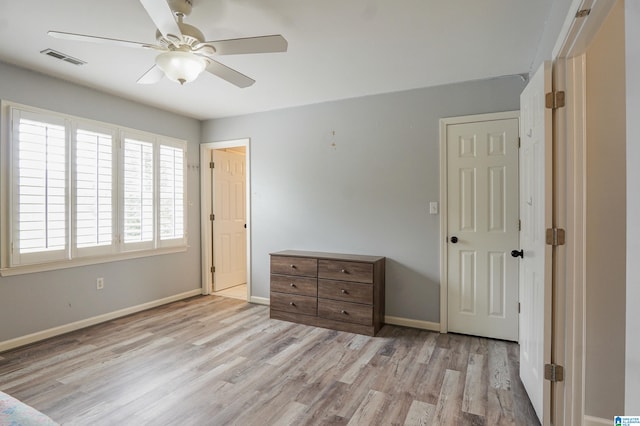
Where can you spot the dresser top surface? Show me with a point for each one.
(329, 256)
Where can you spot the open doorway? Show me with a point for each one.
(225, 207)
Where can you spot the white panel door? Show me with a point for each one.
(535, 210)
(229, 232)
(482, 180)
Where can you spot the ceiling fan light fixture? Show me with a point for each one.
(181, 67)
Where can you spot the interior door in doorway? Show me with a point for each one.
(482, 221)
(229, 219)
(536, 213)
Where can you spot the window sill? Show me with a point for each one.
(53, 266)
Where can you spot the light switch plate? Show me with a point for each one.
(433, 207)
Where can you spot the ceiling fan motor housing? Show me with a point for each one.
(190, 34)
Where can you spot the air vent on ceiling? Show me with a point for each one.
(62, 57)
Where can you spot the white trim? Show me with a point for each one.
(205, 203)
(568, 54)
(407, 322)
(573, 198)
(66, 328)
(576, 33)
(444, 123)
(260, 300)
(86, 261)
(596, 421)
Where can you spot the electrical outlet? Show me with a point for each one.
(99, 283)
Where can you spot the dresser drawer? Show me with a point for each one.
(294, 285)
(345, 311)
(345, 271)
(294, 303)
(346, 291)
(301, 266)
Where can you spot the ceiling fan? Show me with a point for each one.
(184, 53)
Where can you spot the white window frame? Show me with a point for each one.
(13, 263)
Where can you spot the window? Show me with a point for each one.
(94, 191)
(80, 190)
(138, 191)
(171, 192)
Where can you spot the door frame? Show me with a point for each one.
(206, 194)
(570, 182)
(444, 260)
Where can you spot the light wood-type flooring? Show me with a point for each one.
(217, 361)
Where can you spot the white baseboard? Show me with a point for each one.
(56, 331)
(406, 322)
(260, 300)
(596, 421)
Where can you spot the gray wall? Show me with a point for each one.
(34, 302)
(365, 189)
(632, 343)
(606, 219)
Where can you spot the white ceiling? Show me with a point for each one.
(337, 48)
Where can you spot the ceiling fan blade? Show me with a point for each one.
(264, 44)
(102, 40)
(152, 76)
(162, 16)
(228, 74)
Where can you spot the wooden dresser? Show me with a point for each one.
(339, 291)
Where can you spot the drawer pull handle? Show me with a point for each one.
(293, 266)
(292, 304)
(292, 285)
(344, 291)
(344, 312)
(344, 271)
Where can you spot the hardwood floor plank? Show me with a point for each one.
(429, 340)
(474, 399)
(210, 360)
(499, 376)
(369, 350)
(370, 409)
(429, 388)
(449, 402)
(420, 414)
(499, 408)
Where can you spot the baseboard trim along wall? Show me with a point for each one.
(259, 300)
(596, 421)
(56, 331)
(406, 322)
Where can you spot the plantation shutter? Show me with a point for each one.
(172, 193)
(39, 225)
(94, 191)
(138, 193)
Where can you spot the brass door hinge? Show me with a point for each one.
(212, 216)
(212, 165)
(213, 269)
(554, 100)
(555, 237)
(553, 372)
